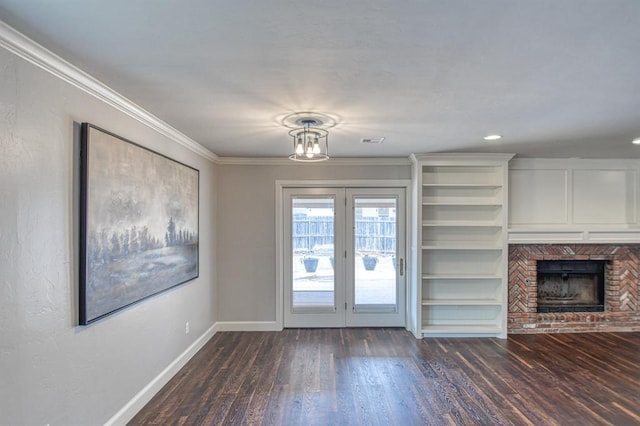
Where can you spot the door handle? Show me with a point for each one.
(401, 267)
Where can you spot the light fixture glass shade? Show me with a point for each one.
(310, 144)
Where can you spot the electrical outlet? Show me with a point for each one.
(186, 327)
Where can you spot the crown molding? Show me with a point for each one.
(575, 163)
(22, 46)
(461, 157)
(355, 161)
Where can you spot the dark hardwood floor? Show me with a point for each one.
(387, 377)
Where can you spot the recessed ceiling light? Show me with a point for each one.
(492, 137)
(636, 141)
(372, 140)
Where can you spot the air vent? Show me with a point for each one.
(372, 140)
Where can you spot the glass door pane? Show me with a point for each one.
(375, 252)
(312, 244)
(375, 241)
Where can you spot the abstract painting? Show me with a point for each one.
(138, 223)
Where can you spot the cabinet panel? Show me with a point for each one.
(538, 197)
(573, 195)
(596, 191)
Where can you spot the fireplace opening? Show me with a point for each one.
(570, 285)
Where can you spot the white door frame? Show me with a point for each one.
(351, 183)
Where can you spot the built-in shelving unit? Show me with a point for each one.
(461, 244)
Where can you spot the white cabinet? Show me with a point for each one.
(461, 244)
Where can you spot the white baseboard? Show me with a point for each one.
(127, 412)
(248, 326)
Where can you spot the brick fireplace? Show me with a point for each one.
(621, 294)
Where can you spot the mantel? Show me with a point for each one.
(568, 235)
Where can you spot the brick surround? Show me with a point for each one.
(621, 310)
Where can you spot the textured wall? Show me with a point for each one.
(247, 230)
(51, 370)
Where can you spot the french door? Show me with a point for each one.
(344, 257)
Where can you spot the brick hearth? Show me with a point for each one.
(621, 310)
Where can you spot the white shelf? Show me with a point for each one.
(461, 329)
(461, 277)
(452, 214)
(460, 224)
(462, 185)
(461, 246)
(461, 302)
(428, 201)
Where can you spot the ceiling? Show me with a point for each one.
(556, 78)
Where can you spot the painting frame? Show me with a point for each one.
(139, 223)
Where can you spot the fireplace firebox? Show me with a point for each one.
(571, 285)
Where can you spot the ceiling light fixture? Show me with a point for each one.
(636, 141)
(492, 137)
(310, 140)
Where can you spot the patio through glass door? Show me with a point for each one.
(344, 257)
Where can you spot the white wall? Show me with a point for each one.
(247, 230)
(51, 370)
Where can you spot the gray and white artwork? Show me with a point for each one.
(139, 224)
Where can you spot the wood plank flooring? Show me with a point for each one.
(387, 377)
